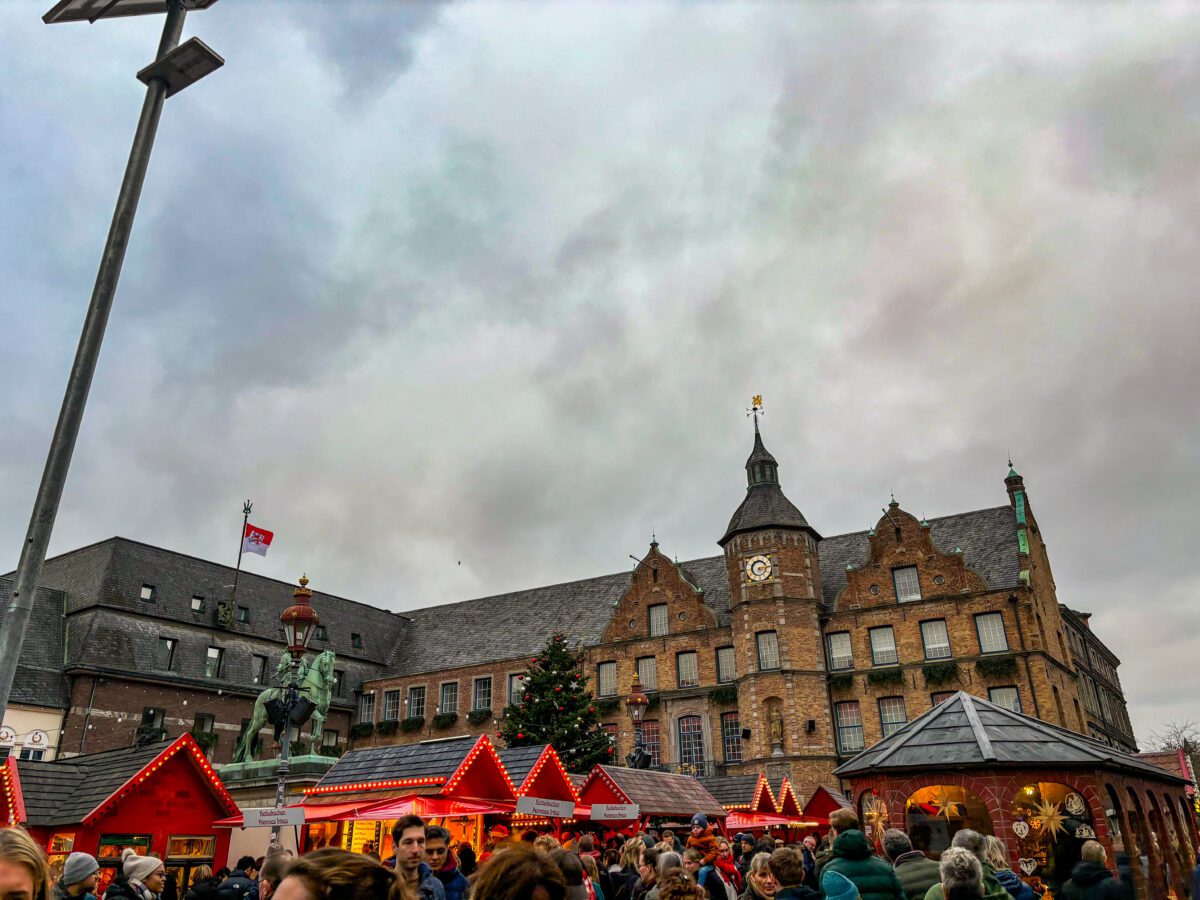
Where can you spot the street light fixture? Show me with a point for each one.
(174, 68)
(636, 703)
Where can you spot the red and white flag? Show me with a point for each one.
(256, 540)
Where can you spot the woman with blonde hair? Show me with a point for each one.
(996, 856)
(24, 870)
(333, 874)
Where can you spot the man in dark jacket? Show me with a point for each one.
(241, 883)
(916, 871)
(787, 868)
(1091, 879)
(441, 859)
(408, 834)
(853, 857)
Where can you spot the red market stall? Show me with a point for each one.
(749, 800)
(159, 799)
(546, 793)
(656, 795)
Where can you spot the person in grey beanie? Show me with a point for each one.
(78, 879)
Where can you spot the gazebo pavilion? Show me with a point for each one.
(1043, 790)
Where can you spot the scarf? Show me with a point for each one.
(729, 870)
(141, 890)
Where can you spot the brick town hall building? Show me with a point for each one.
(786, 653)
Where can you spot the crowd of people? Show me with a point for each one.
(650, 865)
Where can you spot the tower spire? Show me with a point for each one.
(756, 409)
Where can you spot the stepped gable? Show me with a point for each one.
(39, 680)
(966, 730)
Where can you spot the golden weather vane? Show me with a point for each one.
(756, 409)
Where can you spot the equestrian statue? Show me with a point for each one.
(314, 682)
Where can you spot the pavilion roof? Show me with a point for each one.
(966, 731)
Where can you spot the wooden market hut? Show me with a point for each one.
(1041, 789)
(161, 799)
(748, 799)
(658, 795)
(538, 773)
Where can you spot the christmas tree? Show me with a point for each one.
(558, 709)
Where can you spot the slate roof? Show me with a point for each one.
(662, 793)
(65, 791)
(966, 731)
(519, 761)
(39, 680)
(765, 506)
(731, 790)
(431, 759)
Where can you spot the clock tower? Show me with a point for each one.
(776, 607)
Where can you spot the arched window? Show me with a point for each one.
(934, 814)
(1050, 821)
(691, 742)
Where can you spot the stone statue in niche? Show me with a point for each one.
(775, 732)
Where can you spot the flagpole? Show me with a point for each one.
(246, 507)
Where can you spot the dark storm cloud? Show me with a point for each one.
(492, 284)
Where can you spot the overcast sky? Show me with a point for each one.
(470, 298)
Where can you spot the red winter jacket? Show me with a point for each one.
(706, 844)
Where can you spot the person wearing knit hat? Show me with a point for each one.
(78, 878)
(838, 887)
(147, 876)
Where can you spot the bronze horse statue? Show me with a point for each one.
(314, 682)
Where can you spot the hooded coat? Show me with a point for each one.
(454, 882)
(706, 844)
(1091, 881)
(1011, 882)
(917, 873)
(854, 857)
(992, 889)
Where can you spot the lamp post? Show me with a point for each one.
(636, 703)
(175, 67)
(300, 622)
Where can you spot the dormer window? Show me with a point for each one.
(908, 586)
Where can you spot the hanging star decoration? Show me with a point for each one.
(875, 812)
(943, 804)
(1050, 820)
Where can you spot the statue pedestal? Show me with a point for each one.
(307, 767)
(252, 786)
(777, 748)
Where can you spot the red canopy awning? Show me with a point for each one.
(324, 813)
(738, 820)
(425, 807)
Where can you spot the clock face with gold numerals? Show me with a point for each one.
(758, 568)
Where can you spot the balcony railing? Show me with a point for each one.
(707, 769)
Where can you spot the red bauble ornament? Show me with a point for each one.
(557, 689)
(520, 736)
(591, 709)
(610, 749)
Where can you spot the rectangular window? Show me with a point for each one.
(258, 669)
(990, 628)
(148, 593)
(892, 715)
(483, 694)
(391, 706)
(936, 639)
(214, 662)
(685, 668)
(768, 650)
(606, 679)
(1008, 697)
(658, 620)
(339, 683)
(849, 726)
(940, 697)
(726, 665)
(243, 614)
(841, 656)
(322, 633)
(152, 717)
(366, 707)
(647, 669)
(449, 700)
(166, 652)
(652, 741)
(5, 752)
(356, 640)
(691, 742)
(31, 754)
(203, 723)
(731, 737)
(197, 603)
(908, 586)
(329, 738)
(416, 702)
(883, 646)
(516, 690)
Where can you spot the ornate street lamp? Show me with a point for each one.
(300, 623)
(636, 703)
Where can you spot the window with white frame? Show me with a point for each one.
(214, 662)
(416, 702)
(768, 650)
(691, 741)
(606, 679)
(647, 670)
(990, 628)
(652, 741)
(936, 639)
(892, 716)
(391, 705)
(448, 703)
(883, 646)
(686, 669)
(482, 698)
(1008, 697)
(258, 669)
(841, 654)
(849, 726)
(940, 697)
(366, 707)
(658, 620)
(726, 665)
(731, 737)
(516, 689)
(908, 586)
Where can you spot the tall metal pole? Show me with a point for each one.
(246, 507)
(285, 752)
(58, 460)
